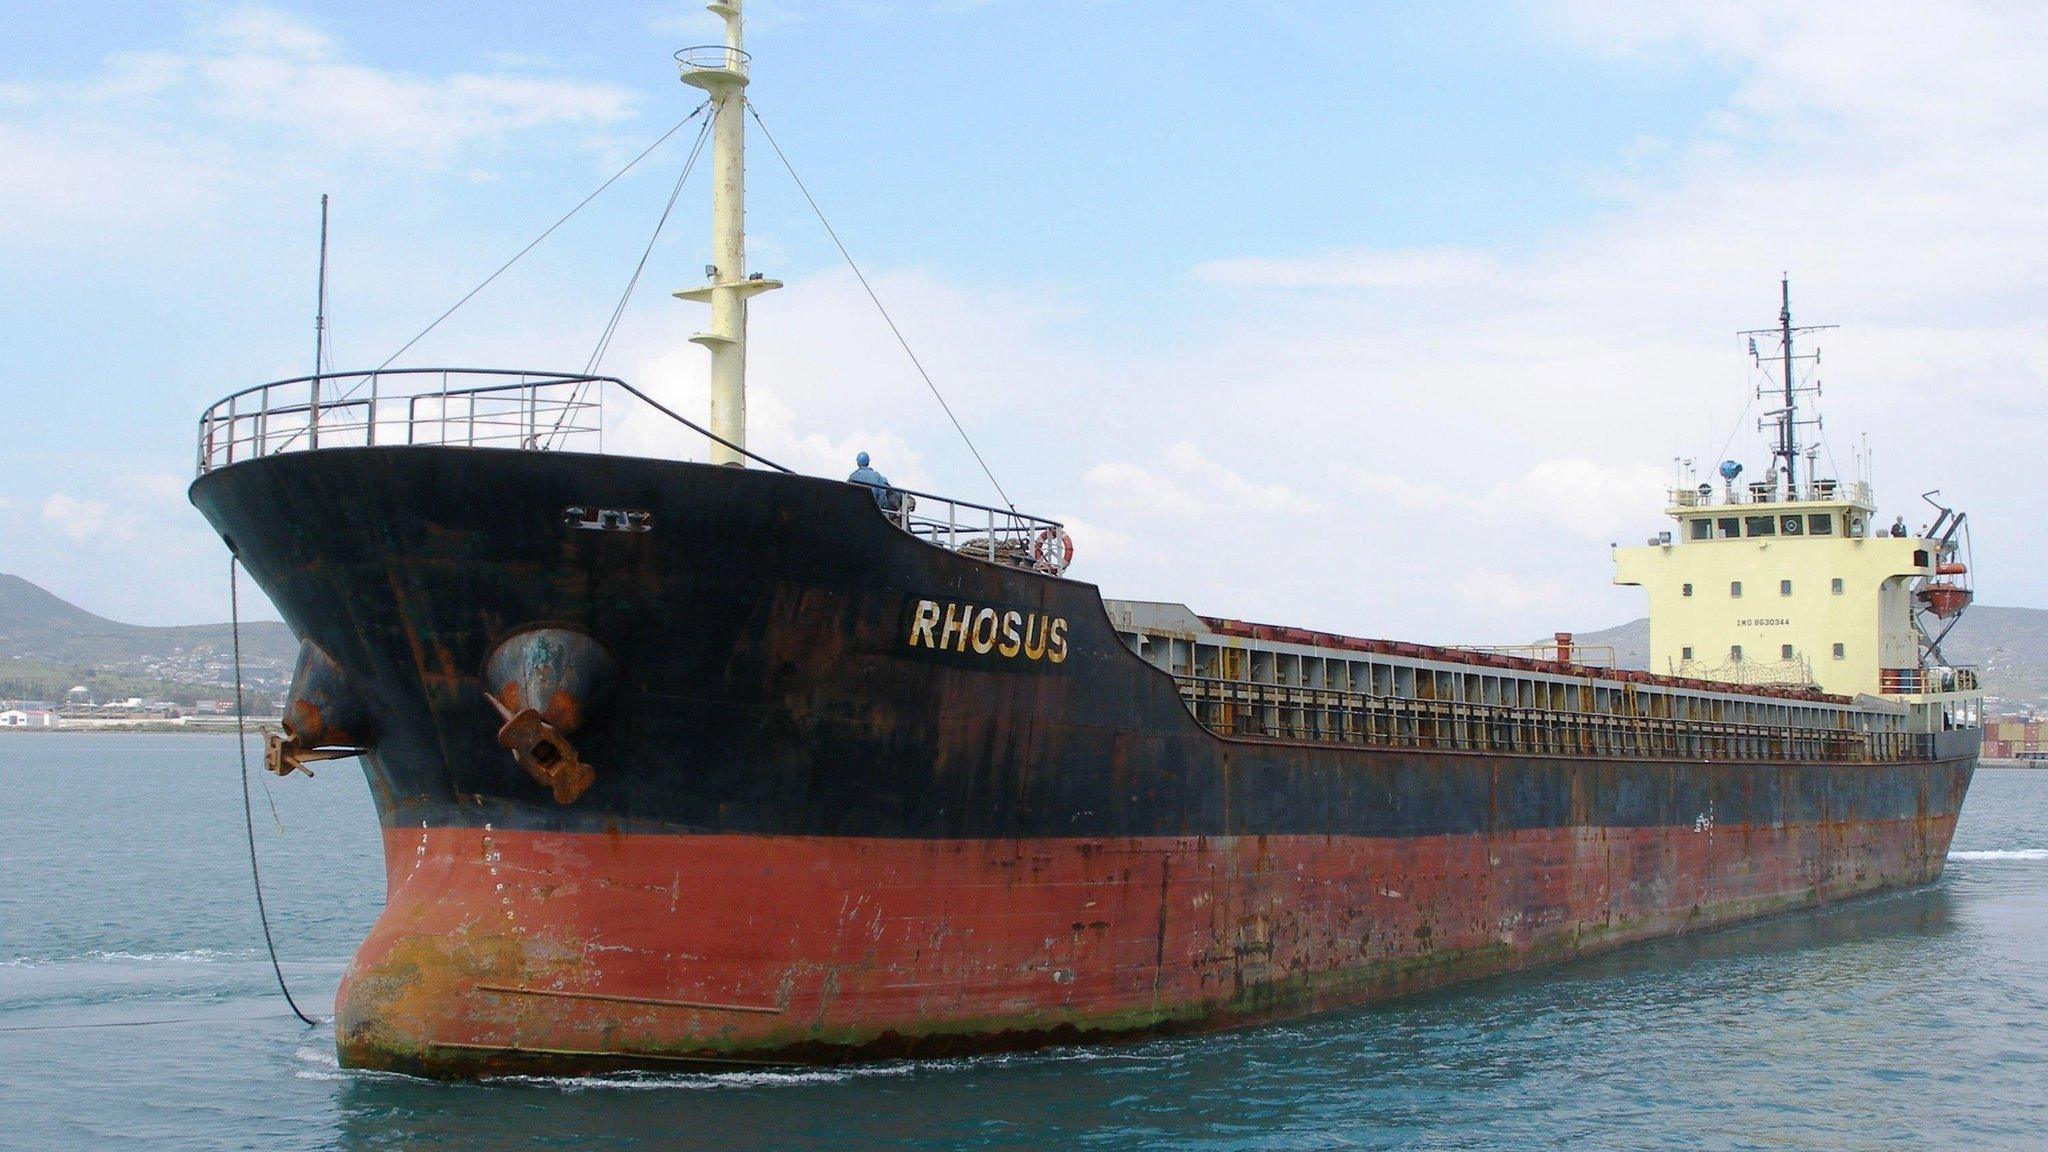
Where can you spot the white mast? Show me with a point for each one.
(722, 72)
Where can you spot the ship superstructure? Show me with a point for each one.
(1793, 579)
(714, 764)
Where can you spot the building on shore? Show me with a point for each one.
(29, 718)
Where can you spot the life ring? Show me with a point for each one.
(1052, 550)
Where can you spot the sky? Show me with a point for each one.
(1386, 319)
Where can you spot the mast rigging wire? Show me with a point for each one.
(531, 245)
(633, 282)
(886, 318)
(604, 340)
(248, 805)
(544, 235)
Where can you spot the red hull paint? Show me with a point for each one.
(501, 950)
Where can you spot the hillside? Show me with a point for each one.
(47, 643)
(2007, 646)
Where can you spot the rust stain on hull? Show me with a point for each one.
(909, 850)
(512, 951)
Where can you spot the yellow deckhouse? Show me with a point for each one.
(1797, 581)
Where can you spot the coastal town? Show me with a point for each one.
(80, 710)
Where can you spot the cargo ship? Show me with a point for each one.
(711, 764)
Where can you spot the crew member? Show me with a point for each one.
(889, 499)
(1898, 525)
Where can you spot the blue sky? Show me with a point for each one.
(1366, 316)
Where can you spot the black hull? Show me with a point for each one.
(811, 838)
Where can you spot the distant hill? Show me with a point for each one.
(2007, 646)
(44, 628)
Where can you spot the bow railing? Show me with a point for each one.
(539, 411)
(471, 407)
(999, 535)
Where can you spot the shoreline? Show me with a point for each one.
(209, 727)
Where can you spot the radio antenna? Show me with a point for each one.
(319, 333)
(1788, 416)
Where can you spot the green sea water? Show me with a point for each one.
(138, 1011)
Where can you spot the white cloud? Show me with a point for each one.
(1506, 411)
(162, 136)
(82, 520)
(1191, 487)
(826, 379)
(1432, 441)
(128, 545)
(1094, 542)
(1591, 501)
(1492, 590)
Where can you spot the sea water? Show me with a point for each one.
(138, 1011)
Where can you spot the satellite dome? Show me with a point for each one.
(1730, 469)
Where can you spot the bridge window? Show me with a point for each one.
(1920, 558)
(1729, 527)
(1838, 650)
(1685, 589)
(1784, 652)
(1835, 586)
(1820, 524)
(1735, 589)
(1784, 587)
(1735, 652)
(1759, 525)
(1702, 528)
(1685, 653)
(1791, 525)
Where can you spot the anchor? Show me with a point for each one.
(544, 752)
(324, 717)
(543, 681)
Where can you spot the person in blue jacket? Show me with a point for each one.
(890, 499)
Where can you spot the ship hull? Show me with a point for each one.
(816, 835)
(522, 952)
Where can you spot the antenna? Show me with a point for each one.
(1788, 416)
(319, 335)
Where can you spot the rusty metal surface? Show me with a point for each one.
(1480, 658)
(544, 752)
(878, 830)
(557, 671)
(325, 716)
(509, 951)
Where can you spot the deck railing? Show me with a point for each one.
(1326, 716)
(542, 411)
(999, 535)
(1926, 681)
(1761, 492)
(478, 408)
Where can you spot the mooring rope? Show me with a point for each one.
(248, 805)
(80, 1026)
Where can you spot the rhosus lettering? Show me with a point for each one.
(1006, 634)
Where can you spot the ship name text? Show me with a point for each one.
(951, 626)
